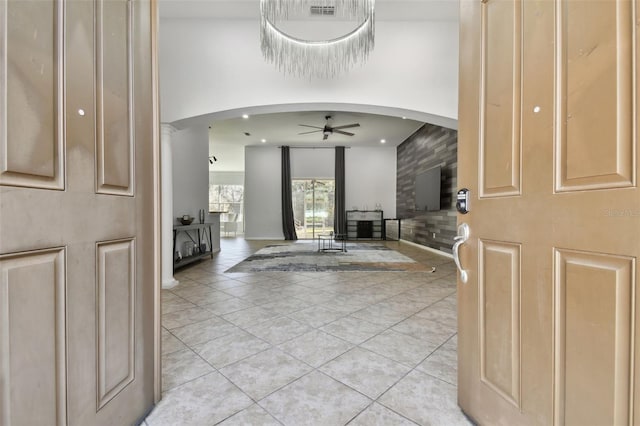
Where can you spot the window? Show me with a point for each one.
(313, 206)
(229, 199)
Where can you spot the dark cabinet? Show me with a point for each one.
(364, 225)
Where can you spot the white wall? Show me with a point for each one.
(190, 149)
(370, 178)
(313, 163)
(226, 178)
(262, 194)
(230, 156)
(211, 65)
(370, 175)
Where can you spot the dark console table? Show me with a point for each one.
(196, 233)
(365, 225)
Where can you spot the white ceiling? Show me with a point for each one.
(284, 128)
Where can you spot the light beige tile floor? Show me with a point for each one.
(310, 348)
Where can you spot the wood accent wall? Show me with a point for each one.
(428, 147)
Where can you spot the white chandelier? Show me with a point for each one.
(321, 59)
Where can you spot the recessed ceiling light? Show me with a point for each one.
(404, 118)
(245, 116)
(263, 140)
(383, 141)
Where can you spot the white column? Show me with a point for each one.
(166, 172)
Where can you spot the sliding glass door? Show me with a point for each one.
(313, 206)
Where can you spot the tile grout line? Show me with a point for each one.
(344, 314)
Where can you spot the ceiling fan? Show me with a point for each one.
(328, 129)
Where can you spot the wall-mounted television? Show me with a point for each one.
(428, 190)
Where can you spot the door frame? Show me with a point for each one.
(157, 207)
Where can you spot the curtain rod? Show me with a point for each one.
(315, 147)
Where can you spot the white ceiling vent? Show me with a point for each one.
(323, 10)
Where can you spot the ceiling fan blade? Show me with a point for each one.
(313, 127)
(326, 135)
(343, 133)
(346, 126)
(313, 131)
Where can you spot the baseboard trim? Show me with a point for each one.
(429, 249)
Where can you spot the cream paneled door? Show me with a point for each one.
(548, 146)
(77, 227)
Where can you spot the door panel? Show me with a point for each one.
(593, 294)
(32, 338)
(104, 217)
(595, 147)
(572, 228)
(31, 79)
(500, 108)
(499, 304)
(488, 388)
(114, 113)
(116, 313)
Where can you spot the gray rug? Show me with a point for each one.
(303, 256)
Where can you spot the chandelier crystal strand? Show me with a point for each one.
(321, 59)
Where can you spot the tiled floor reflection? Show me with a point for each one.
(312, 348)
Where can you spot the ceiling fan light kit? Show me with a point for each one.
(320, 59)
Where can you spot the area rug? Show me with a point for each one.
(304, 257)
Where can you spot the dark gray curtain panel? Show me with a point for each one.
(339, 219)
(288, 224)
